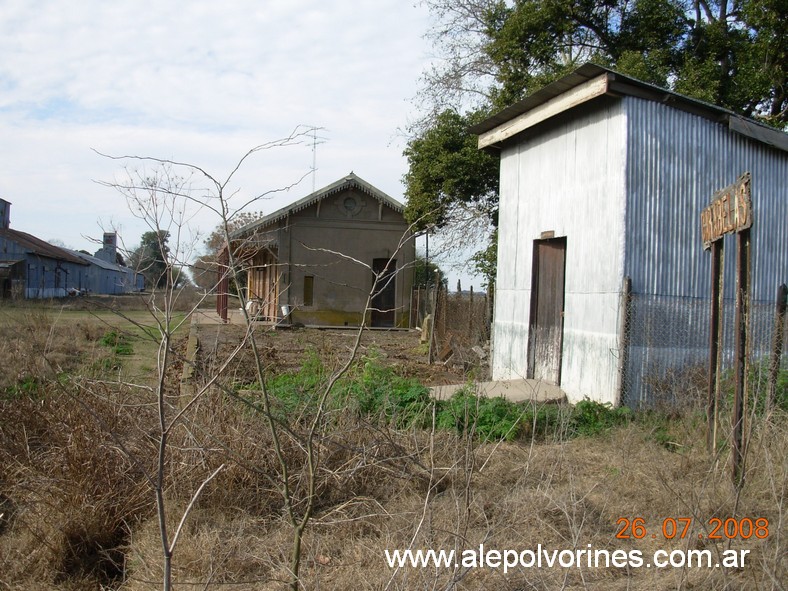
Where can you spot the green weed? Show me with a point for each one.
(27, 387)
(757, 388)
(118, 342)
(590, 418)
(487, 418)
(375, 392)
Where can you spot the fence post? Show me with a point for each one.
(434, 312)
(625, 329)
(740, 356)
(223, 284)
(470, 316)
(414, 309)
(777, 344)
(712, 397)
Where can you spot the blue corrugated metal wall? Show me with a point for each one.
(676, 162)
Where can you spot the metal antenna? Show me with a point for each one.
(316, 140)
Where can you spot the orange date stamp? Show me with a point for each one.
(679, 528)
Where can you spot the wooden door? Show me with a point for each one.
(384, 296)
(546, 330)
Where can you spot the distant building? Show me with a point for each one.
(314, 261)
(32, 268)
(604, 177)
(105, 275)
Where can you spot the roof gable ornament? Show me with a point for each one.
(351, 181)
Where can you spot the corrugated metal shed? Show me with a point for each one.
(591, 81)
(107, 278)
(35, 246)
(41, 270)
(614, 173)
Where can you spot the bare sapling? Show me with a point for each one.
(166, 201)
(299, 508)
(160, 200)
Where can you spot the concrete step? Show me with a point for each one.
(514, 390)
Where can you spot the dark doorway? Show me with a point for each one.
(384, 296)
(546, 330)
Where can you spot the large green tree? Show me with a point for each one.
(151, 258)
(732, 53)
(205, 268)
(446, 170)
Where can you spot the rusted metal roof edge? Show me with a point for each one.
(547, 103)
(39, 247)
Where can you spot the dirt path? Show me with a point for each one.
(285, 350)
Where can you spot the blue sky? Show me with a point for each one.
(199, 82)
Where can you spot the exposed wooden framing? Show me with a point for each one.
(263, 284)
(584, 92)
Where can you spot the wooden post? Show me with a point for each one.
(730, 211)
(714, 344)
(777, 344)
(740, 355)
(223, 283)
(414, 314)
(470, 316)
(431, 350)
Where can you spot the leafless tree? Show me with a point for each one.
(164, 199)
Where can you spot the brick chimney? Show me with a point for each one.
(5, 214)
(109, 249)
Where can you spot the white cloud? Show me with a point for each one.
(200, 82)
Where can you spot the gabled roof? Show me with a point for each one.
(351, 181)
(591, 81)
(38, 247)
(89, 258)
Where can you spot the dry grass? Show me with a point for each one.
(410, 492)
(78, 514)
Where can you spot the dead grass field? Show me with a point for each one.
(77, 514)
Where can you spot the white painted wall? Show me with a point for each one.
(568, 179)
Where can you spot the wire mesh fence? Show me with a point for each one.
(461, 322)
(667, 350)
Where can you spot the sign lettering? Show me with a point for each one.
(729, 211)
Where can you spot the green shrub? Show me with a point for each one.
(118, 342)
(377, 391)
(757, 387)
(27, 387)
(487, 418)
(294, 394)
(546, 421)
(591, 418)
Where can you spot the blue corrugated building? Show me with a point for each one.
(32, 268)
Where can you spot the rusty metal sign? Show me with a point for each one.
(729, 211)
